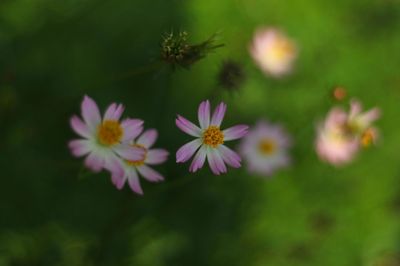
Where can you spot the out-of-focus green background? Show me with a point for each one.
(53, 213)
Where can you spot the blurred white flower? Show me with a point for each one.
(273, 51)
(265, 148)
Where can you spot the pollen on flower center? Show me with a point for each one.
(213, 136)
(281, 50)
(267, 146)
(140, 162)
(367, 138)
(110, 132)
(353, 128)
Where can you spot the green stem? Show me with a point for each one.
(117, 222)
(139, 70)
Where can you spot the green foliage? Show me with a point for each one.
(53, 213)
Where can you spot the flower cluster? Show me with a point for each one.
(109, 143)
(342, 134)
(123, 149)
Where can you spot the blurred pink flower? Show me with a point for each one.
(132, 168)
(359, 121)
(209, 140)
(104, 139)
(273, 51)
(265, 148)
(333, 143)
(342, 134)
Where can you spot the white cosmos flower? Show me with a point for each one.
(105, 139)
(209, 140)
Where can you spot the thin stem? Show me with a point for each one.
(117, 222)
(139, 70)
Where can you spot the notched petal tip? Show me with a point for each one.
(79, 127)
(218, 114)
(133, 121)
(118, 181)
(188, 127)
(156, 156)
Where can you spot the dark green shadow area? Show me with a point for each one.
(52, 212)
(52, 53)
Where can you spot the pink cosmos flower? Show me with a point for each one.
(265, 148)
(132, 168)
(342, 134)
(359, 121)
(104, 139)
(333, 144)
(209, 142)
(273, 51)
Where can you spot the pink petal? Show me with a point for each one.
(336, 118)
(229, 156)
(134, 183)
(187, 126)
(355, 108)
(79, 127)
(334, 152)
(204, 114)
(118, 112)
(215, 161)
(118, 181)
(114, 112)
(94, 162)
(90, 113)
(371, 115)
(132, 128)
(110, 111)
(79, 147)
(199, 159)
(187, 151)
(235, 132)
(114, 165)
(148, 138)
(156, 156)
(130, 153)
(218, 115)
(150, 174)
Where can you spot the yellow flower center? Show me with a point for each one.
(352, 128)
(267, 146)
(213, 136)
(282, 49)
(367, 138)
(140, 162)
(110, 132)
